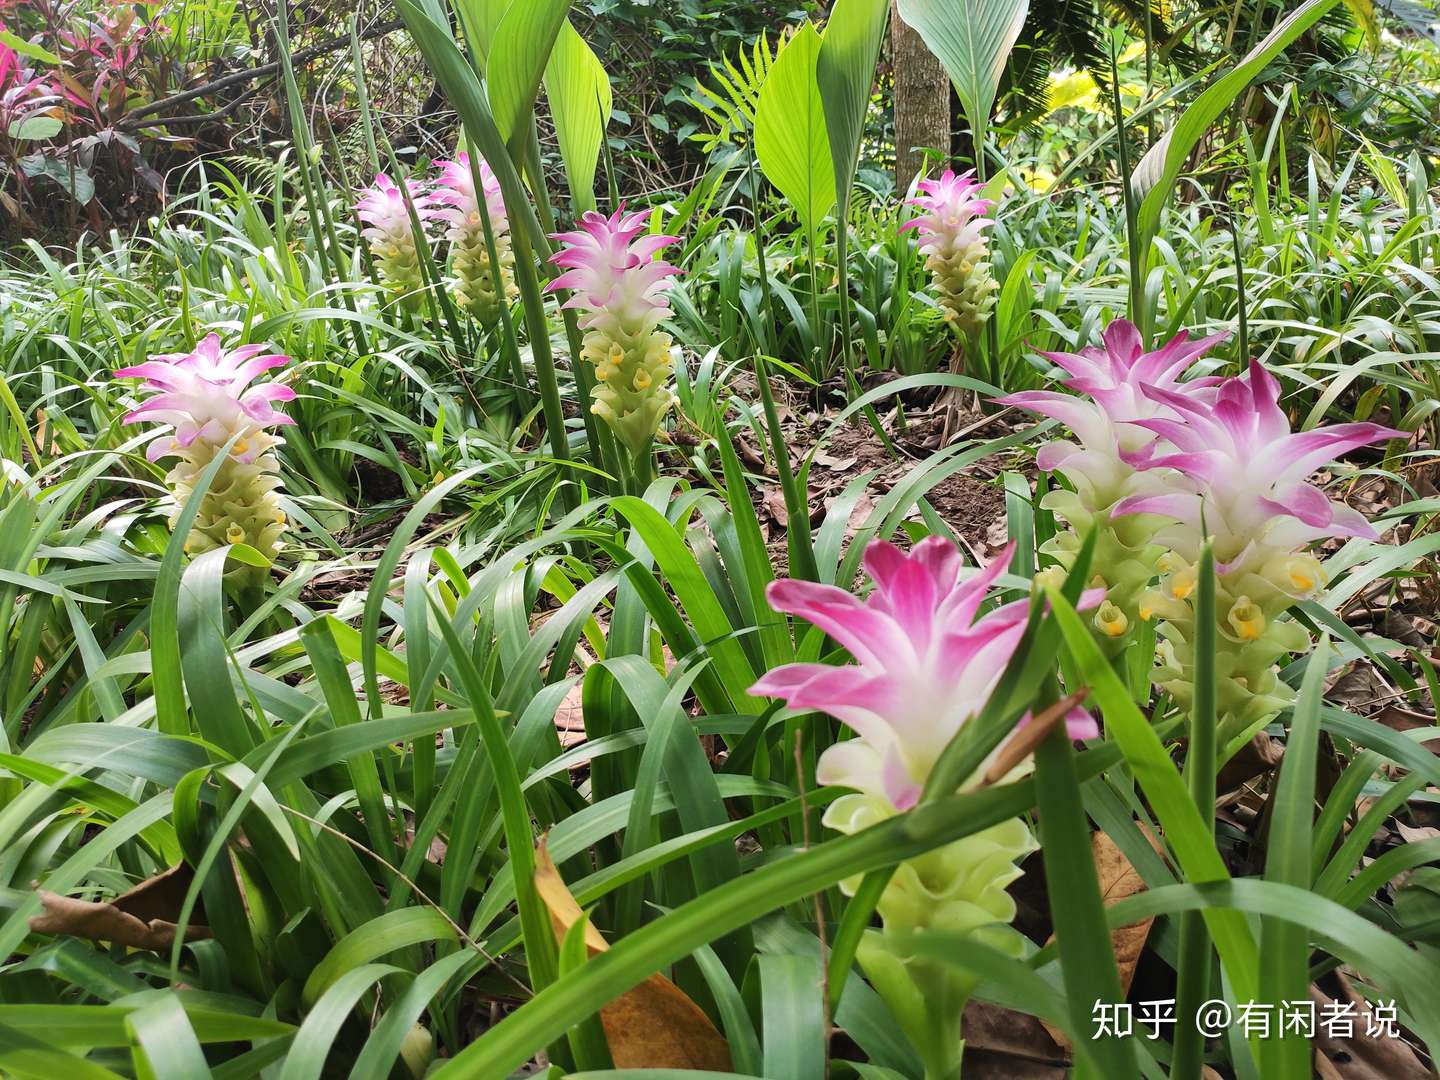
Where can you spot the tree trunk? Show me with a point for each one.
(922, 101)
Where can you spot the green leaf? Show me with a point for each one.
(517, 59)
(794, 1016)
(1363, 12)
(1184, 829)
(972, 39)
(790, 134)
(845, 72)
(579, 94)
(164, 1043)
(35, 127)
(27, 48)
(1284, 949)
(480, 19)
(380, 936)
(1158, 172)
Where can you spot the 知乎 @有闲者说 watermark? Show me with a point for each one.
(1255, 1019)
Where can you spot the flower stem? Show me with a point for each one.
(1194, 963)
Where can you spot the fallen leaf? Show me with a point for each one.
(775, 504)
(143, 918)
(1118, 879)
(651, 1026)
(1257, 757)
(1398, 718)
(1009, 1034)
(1360, 1056)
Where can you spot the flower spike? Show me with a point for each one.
(619, 285)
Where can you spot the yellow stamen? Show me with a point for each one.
(1246, 619)
(1110, 620)
(234, 533)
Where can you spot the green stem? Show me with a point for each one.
(1138, 315)
(1195, 962)
(539, 332)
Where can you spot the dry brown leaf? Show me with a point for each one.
(1118, 879)
(1023, 743)
(651, 1026)
(774, 499)
(1401, 719)
(1009, 1034)
(143, 918)
(1257, 757)
(1360, 1056)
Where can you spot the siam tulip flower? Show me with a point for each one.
(478, 289)
(1233, 471)
(1101, 462)
(204, 399)
(1115, 380)
(952, 228)
(391, 233)
(610, 267)
(924, 666)
(1239, 474)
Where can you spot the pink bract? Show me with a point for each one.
(1115, 380)
(924, 664)
(1240, 472)
(457, 204)
(382, 207)
(208, 395)
(951, 213)
(611, 268)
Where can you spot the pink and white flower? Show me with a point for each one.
(479, 288)
(206, 398)
(1116, 380)
(210, 395)
(951, 228)
(457, 204)
(1239, 473)
(924, 664)
(611, 268)
(391, 232)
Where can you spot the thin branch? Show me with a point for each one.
(265, 71)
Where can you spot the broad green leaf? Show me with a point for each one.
(579, 94)
(518, 54)
(35, 127)
(790, 135)
(972, 39)
(1157, 173)
(480, 19)
(845, 72)
(1363, 12)
(27, 48)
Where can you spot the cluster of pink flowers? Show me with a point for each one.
(1210, 456)
(452, 200)
(925, 664)
(202, 400)
(951, 226)
(618, 283)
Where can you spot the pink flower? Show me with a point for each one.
(1116, 380)
(459, 207)
(612, 270)
(1241, 474)
(382, 208)
(207, 395)
(924, 665)
(952, 218)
